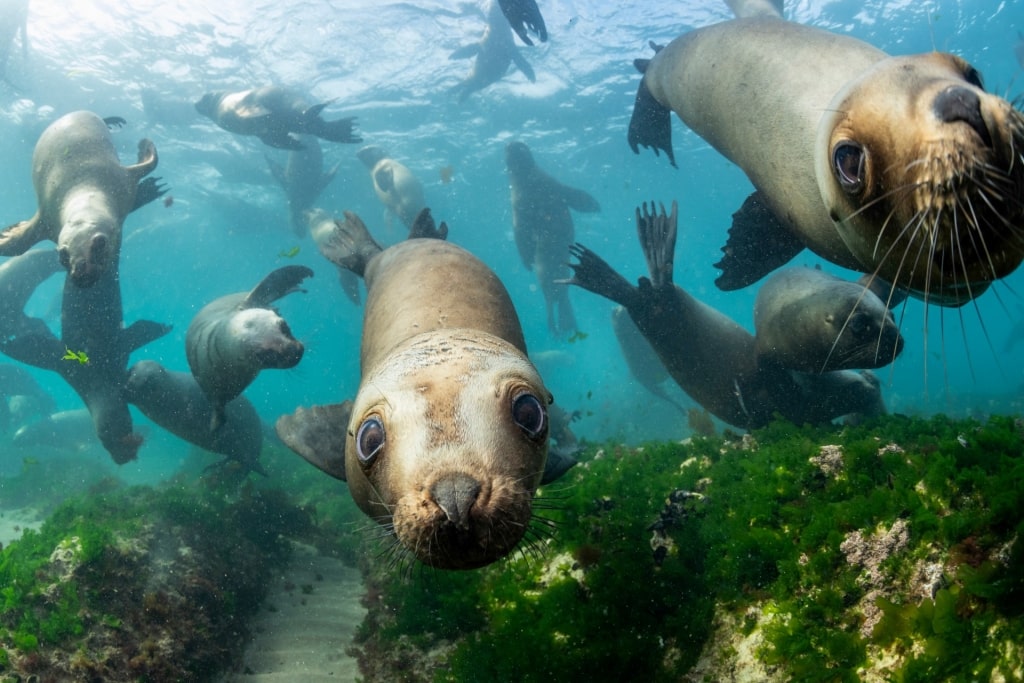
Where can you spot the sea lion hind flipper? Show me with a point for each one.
(350, 245)
(558, 463)
(657, 232)
(148, 190)
(277, 284)
(341, 130)
(318, 435)
(593, 274)
(651, 123)
(18, 238)
(142, 332)
(758, 244)
(424, 228)
(523, 15)
(580, 200)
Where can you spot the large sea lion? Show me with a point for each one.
(808, 320)
(447, 439)
(900, 167)
(543, 229)
(303, 179)
(394, 184)
(174, 401)
(712, 358)
(275, 115)
(495, 50)
(84, 194)
(234, 337)
(321, 229)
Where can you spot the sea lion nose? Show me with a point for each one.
(957, 103)
(455, 494)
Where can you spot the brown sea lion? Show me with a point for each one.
(495, 50)
(84, 194)
(900, 167)
(234, 337)
(543, 229)
(275, 115)
(394, 183)
(447, 439)
(712, 358)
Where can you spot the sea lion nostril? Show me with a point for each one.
(455, 494)
(957, 103)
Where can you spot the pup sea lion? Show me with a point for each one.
(275, 115)
(543, 229)
(523, 15)
(808, 320)
(712, 358)
(321, 229)
(83, 194)
(174, 401)
(447, 439)
(494, 52)
(900, 167)
(234, 337)
(303, 179)
(394, 184)
(642, 361)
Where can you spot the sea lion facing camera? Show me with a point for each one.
(395, 185)
(83, 193)
(900, 167)
(447, 439)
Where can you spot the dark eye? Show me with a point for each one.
(972, 76)
(528, 413)
(369, 440)
(848, 165)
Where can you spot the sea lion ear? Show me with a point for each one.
(318, 435)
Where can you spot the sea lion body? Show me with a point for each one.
(395, 185)
(643, 363)
(495, 50)
(236, 336)
(20, 276)
(808, 320)
(275, 115)
(175, 401)
(543, 229)
(447, 438)
(70, 430)
(870, 161)
(303, 179)
(83, 195)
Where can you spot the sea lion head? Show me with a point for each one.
(447, 444)
(208, 103)
(267, 338)
(371, 155)
(88, 245)
(921, 171)
(518, 157)
(857, 329)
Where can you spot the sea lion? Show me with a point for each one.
(275, 115)
(447, 439)
(234, 337)
(494, 52)
(643, 363)
(900, 167)
(543, 229)
(808, 320)
(84, 194)
(394, 183)
(67, 430)
(303, 179)
(174, 401)
(523, 15)
(711, 357)
(19, 278)
(321, 229)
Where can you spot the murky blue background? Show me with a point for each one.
(387, 63)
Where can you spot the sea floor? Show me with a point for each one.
(14, 522)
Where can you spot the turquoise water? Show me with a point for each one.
(387, 63)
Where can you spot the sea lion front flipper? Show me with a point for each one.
(18, 238)
(466, 51)
(580, 200)
(115, 122)
(35, 345)
(557, 464)
(350, 245)
(593, 274)
(147, 191)
(651, 123)
(318, 435)
(758, 244)
(142, 332)
(277, 284)
(423, 227)
(147, 159)
(520, 61)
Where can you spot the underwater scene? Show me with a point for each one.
(511, 340)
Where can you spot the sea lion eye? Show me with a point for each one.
(972, 76)
(848, 165)
(528, 413)
(369, 440)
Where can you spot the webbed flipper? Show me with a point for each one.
(147, 191)
(657, 232)
(350, 245)
(424, 227)
(651, 123)
(523, 15)
(593, 274)
(18, 238)
(142, 332)
(115, 122)
(318, 435)
(277, 284)
(758, 244)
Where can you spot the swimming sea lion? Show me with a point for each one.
(447, 439)
(543, 229)
(394, 184)
(900, 167)
(303, 179)
(643, 363)
(234, 337)
(711, 357)
(493, 52)
(321, 229)
(275, 115)
(523, 15)
(84, 194)
(808, 320)
(174, 401)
